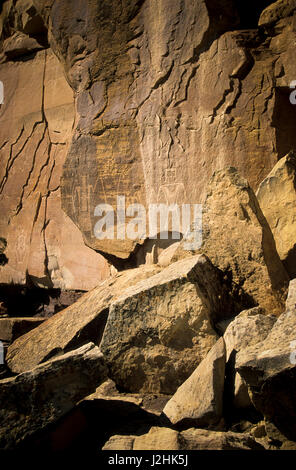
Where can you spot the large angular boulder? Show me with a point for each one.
(269, 369)
(277, 11)
(33, 400)
(199, 400)
(238, 240)
(277, 198)
(159, 330)
(248, 328)
(191, 439)
(83, 321)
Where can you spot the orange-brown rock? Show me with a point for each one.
(82, 321)
(238, 240)
(277, 198)
(36, 124)
(156, 112)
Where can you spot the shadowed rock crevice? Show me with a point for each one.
(249, 12)
(284, 121)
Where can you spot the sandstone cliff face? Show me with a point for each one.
(164, 94)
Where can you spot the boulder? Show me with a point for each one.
(277, 11)
(12, 328)
(277, 198)
(291, 298)
(160, 329)
(248, 328)
(81, 322)
(238, 240)
(19, 45)
(191, 439)
(35, 399)
(199, 400)
(269, 370)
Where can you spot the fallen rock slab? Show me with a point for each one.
(277, 198)
(161, 328)
(191, 439)
(276, 11)
(13, 328)
(33, 400)
(269, 369)
(81, 322)
(199, 400)
(238, 240)
(248, 328)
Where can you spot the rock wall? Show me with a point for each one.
(165, 93)
(37, 118)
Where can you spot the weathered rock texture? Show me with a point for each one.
(81, 322)
(35, 399)
(269, 370)
(191, 439)
(36, 124)
(199, 400)
(248, 328)
(291, 298)
(165, 93)
(238, 240)
(277, 198)
(159, 330)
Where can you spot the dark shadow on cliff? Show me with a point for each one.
(283, 121)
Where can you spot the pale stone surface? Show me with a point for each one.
(12, 328)
(268, 368)
(160, 329)
(82, 321)
(119, 443)
(248, 328)
(35, 399)
(291, 298)
(20, 44)
(191, 439)
(199, 400)
(157, 438)
(277, 198)
(238, 240)
(276, 11)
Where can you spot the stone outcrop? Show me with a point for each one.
(153, 109)
(238, 240)
(248, 328)
(111, 109)
(191, 439)
(199, 400)
(268, 368)
(160, 329)
(291, 297)
(42, 242)
(32, 401)
(81, 322)
(276, 12)
(277, 198)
